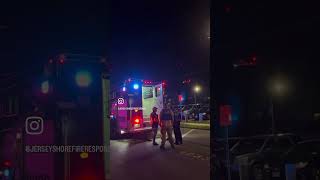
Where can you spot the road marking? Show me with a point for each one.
(194, 156)
(187, 133)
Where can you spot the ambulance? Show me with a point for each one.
(132, 105)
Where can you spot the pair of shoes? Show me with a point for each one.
(155, 144)
(162, 147)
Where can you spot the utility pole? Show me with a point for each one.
(272, 117)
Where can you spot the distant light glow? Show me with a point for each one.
(83, 78)
(136, 86)
(124, 89)
(45, 87)
(197, 89)
(122, 132)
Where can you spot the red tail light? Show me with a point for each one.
(137, 121)
(7, 163)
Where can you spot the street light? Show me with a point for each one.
(196, 90)
(278, 87)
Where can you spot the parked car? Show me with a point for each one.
(305, 156)
(265, 163)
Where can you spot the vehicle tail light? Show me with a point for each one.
(7, 163)
(137, 121)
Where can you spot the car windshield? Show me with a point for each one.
(278, 144)
(247, 146)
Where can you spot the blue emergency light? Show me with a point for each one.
(136, 86)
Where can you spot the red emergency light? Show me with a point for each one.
(61, 61)
(137, 121)
(7, 163)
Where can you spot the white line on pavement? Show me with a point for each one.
(187, 133)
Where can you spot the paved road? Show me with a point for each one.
(135, 159)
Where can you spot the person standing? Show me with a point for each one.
(166, 122)
(176, 129)
(154, 120)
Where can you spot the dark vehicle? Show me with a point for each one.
(305, 156)
(238, 146)
(264, 162)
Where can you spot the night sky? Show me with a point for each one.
(143, 39)
(284, 37)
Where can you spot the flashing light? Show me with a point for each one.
(6, 172)
(61, 61)
(84, 155)
(45, 87)
(7, 163)
(83, 78)
(122, 131)
(124, 89)
(147, 82)
(137, 121)
(136, 86)
(180, 97)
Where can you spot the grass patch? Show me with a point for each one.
(201, 126)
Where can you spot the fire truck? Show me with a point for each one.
(132, 104)
(65, 106)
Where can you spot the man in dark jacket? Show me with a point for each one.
(176, 128)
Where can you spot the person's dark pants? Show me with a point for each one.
(155, 131)
(177, 132)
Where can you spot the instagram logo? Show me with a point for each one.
(34, 125)
(120, 101)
